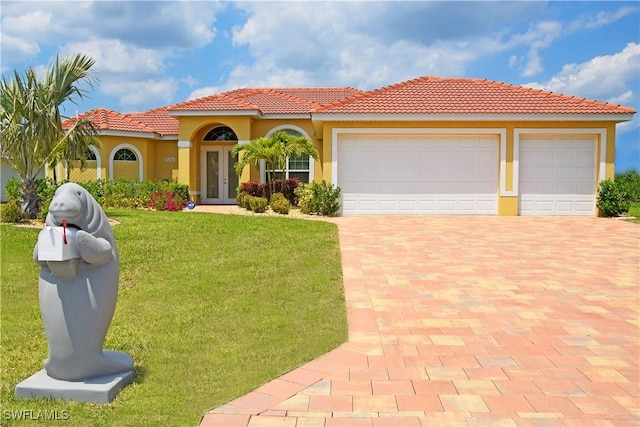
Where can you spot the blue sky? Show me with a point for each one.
(150, 54)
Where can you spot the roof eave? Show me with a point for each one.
(472, 117)
(127, 133)
(290, 116)
(181, 113)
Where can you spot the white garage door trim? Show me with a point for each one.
(479, 185)
(576, 188)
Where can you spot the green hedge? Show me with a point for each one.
(615, 197)
(318, 198)
(122, 193)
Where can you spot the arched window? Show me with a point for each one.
(297, 166)
(221, 133)
(90, 155)
(125, 155)
(125, 161)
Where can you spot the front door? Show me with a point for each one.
(219, 179)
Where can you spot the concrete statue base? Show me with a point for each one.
(98, 390)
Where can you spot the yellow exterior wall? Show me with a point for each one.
(88, 174)
(165, 159)
(126, 170)
(507, 205)
(186, 167)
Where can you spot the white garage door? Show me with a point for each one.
(418, 174)
(557, 175)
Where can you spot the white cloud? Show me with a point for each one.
(625, 98)
(113, 56)
(203, 91)
(602, 18)
(131, 41)
(17, 48)
(340, 43)
(135, 93)
(543, 34)
(603, 77)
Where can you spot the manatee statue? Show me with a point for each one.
(78, 296)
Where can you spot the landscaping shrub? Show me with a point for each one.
(279, 204)
(304, 195)
(167, 200)
(260, 189)
(255, 189)
(288, 189)
(95, 188)
(122, 193)
(12, 190)
(629, 184)
(241, 199)
(46, 188)
(258, 204)
(327, 198)
(612, 199)
(319, 198)
(10, 212)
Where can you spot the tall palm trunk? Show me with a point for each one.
(29, 203)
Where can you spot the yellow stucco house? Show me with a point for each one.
(425, 146)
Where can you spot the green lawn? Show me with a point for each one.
(634, 210)
(210, 307)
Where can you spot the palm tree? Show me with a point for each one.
(31, 122)
(274, 150)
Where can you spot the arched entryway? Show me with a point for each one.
(217, 166)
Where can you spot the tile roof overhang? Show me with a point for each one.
(263, 102)
(149, 124)
(466, 99)
(326, 117)
(421, 99)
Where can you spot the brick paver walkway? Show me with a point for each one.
(480, 321)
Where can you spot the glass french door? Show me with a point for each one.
(219, 179)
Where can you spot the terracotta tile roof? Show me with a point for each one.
(218, 102)
(105, 119)
(458, 96)
(273, 102)
(268, 100)
(158, 119)
(320, 95)
(426, 96)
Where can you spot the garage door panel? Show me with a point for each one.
(418, 174)
(567, 188)
(585, 175)
(565, 159)
(585, 189)
(564, 173)
(557, 175)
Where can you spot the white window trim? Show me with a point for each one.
(312, 161)
(128, 147)
(596, 132)
(98, 163)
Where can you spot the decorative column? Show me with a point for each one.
(184, 168)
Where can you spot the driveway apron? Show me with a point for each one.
(459, 320)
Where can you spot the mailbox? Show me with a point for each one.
(57, 244)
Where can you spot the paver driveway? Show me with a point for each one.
(472, 321)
